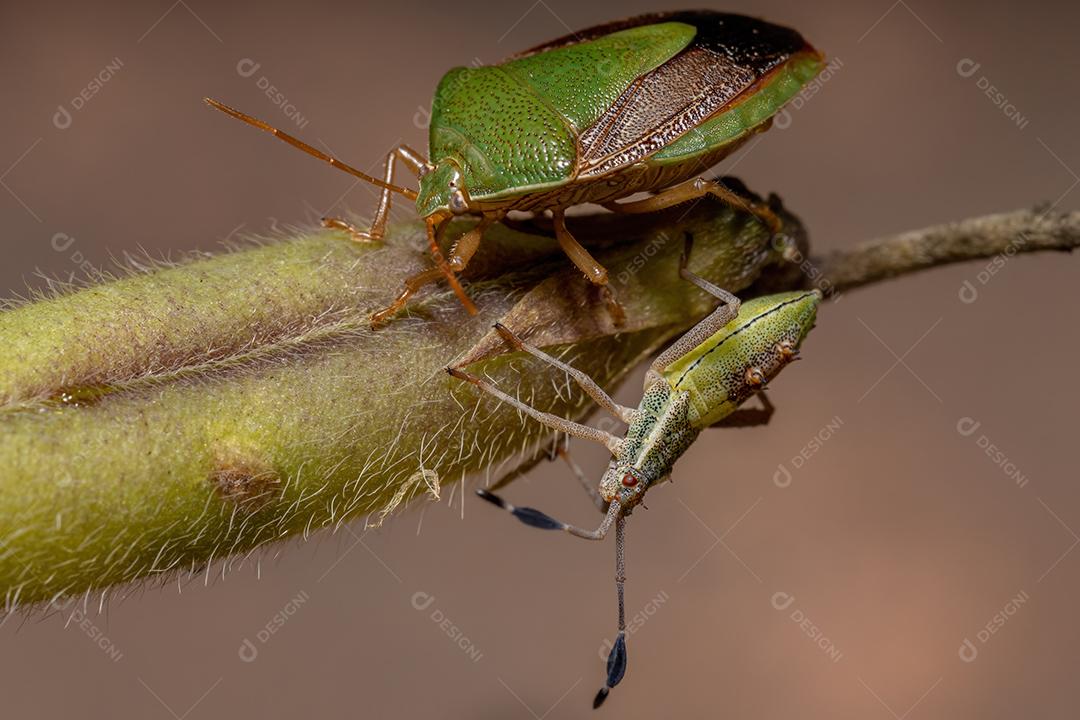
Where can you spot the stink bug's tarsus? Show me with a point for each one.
(698, 382)
(640, 105)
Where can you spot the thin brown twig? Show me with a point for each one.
(1003, 234)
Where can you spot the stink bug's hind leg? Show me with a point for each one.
(415, 162)
(697, 188)
(718, 318)
(594, 272)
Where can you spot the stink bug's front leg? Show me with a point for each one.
(425, 277)
(412, 159)
(415, 162)
(464, 248)
(694, 189)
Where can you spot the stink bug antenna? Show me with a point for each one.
(616, 661)
(281, 135)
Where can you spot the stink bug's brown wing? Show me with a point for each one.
(728, 55)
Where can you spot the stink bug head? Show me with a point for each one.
(637, 105)
(442, 190)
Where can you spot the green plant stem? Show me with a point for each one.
(161, 421)
(156, 423)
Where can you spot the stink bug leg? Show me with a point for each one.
(425, 277)
(543, 131)
(412, 159)
(415, 162)
(584, 261)
(698, 188)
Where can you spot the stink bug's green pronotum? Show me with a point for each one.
(645, 104)
(698, 382)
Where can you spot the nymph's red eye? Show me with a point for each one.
(629, 480)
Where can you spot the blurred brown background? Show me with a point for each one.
(940, 579)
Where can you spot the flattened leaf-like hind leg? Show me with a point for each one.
(694, 189)
(531, 516)
(718, 318)
(537, 519)
(617, 657)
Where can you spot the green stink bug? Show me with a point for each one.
(638, 105)
(698, 382)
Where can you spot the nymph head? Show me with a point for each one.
(624, 484)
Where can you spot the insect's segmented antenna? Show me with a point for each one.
(300, 144)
